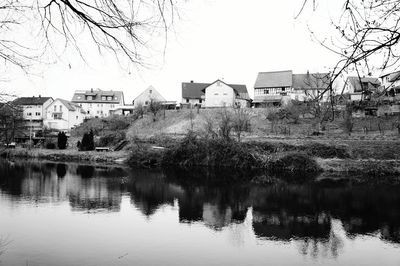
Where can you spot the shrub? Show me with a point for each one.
(87, 143)
(295, 162)
(112, 138)
(62, 141)
(50, 146)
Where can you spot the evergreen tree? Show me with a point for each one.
(62, 141)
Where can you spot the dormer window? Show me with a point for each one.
(103, 98)
(109, 98)
(115, 98)
(89, 98)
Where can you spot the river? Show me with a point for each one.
(72, 214)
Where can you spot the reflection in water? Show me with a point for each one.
(306, 214)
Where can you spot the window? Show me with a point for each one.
(219, 83)
(60, 108)
(57, 116)
(79, 97)
(101, 112)
(29, 114)
(266, 91)
(103, 98)
(89, 98)
(76, 117)
(98, 105)
(216, 93)
(150, 91)
(109, 98)
(88, 112)
(187, 100)
(283, 89)
(37, 113)
(200, 101)
(225, 93)
(115, 98)
(98, 112)
(55, 108)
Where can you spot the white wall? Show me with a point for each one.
(219, 94)
(69, 119)
(147, 95)
(99, 109)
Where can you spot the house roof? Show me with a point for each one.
(70, 106)
(31, 100)
(311, 81)
(80, 96)
(373, 83)
(192, 90)
(274, 79)
(151, 92)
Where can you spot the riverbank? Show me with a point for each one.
(68, 155)
(360, 161)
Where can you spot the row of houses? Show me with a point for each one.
(271, 89)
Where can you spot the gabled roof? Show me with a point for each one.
(311, 81)
(192, 90)
(151, 92)
(79, 96)
(274, 79)
(31, 100)
(373, 83)
(70, 106)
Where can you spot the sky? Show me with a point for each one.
(213, 39)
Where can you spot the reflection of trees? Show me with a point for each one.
(303, 213)
(41, 182)
(217, 205)
(61, 170)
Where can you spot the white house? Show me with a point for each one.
(360, 88)
(148, 95)
(391, 84)
(33, 112)
(98, 103)
(279, 87)
(63, 115)
(216, 94)
(219, 94)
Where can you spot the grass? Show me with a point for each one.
(64, 155)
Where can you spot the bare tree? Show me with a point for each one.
(368, 30)
(121, 27)
(154, 108)
(240, 122)
(11, 122)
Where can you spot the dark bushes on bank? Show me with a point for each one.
(295, 162)
(194, 151)
(313, 149)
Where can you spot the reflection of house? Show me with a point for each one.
(216, 94)
(277, 87)
(98, 103)
(63, 115)
(33, 112)
(360, 89)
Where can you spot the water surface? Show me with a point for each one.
(71, 214)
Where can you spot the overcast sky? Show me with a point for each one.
(220, 39)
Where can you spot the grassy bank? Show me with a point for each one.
(68, 155)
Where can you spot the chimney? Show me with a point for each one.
(191, 81)
(91, 90)
(40, 96)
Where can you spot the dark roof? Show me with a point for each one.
(274, 79)
(79, 96)
(311, 81)
(31, 100)
(373, 83)
(192, 90)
